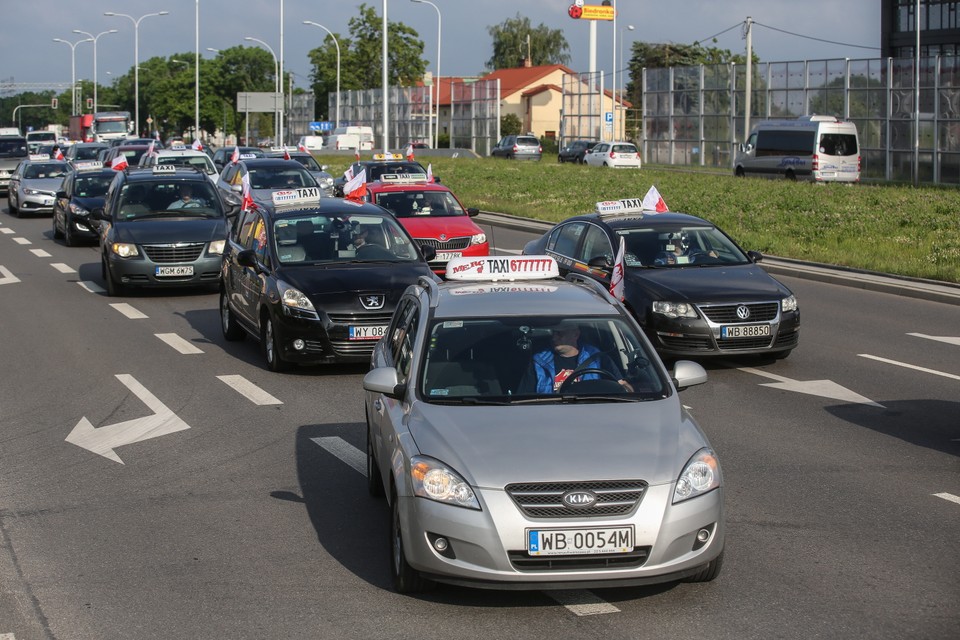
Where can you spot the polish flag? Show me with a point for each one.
(119, 163)
(616, 276)
(58, 155)
(196, 145)
(235, 156)
(150, 149)
(409, 153)
(348, 174)
(356, 155)
(245, 192)
(654, 202)
(302, 148)
(430, 172)
(356, 189)
(286, 154)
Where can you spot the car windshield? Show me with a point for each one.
(284, 177)
(86, 153)
(93, 186)
(149, 199)
(204, 163)
(45, 171)
(313, 238)
(538, 359)
(416, 204)
(111, 126)
(15, 147)
(679, 246)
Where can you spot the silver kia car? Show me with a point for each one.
(527, 436)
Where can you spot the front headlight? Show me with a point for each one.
(292, 297)
(702, 474)
(328, 182)
(124, 249)
(77, 210)
(216, 247)
(674, 309)
(27, 191)
(436, 481)
(478, 238)
(789, 304)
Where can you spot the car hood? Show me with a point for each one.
(734, 283)
(334, 279)
(494, 446)
(435, 226)
(43, 184)
(170, 230)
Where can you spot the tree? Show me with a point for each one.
(510, 44)
(510, 125)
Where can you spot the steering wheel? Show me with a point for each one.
(603, 373)
(192, 205)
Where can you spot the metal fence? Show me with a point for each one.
(695, 115)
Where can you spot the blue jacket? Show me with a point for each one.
(544, 365)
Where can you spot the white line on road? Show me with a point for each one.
(129, 311)
(63, 268)
(948, 496)
(247, 389)
(910, 366)
(582, 603)
(22, 241)
(40, 253)
(7, 636)
(947, 339)
(7, 230)
(92, 287)
(180, 344)
(345, 451)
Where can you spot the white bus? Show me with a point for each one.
(817, 148)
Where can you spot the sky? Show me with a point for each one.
(29, 55)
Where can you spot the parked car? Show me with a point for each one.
(619, 155)
(524, 147)
(574, 151)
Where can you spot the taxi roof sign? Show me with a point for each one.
(87, 165)
(288, 198)
(620, 207)
(499, 268)
(388, 156)
(403, 178)
(165, 168)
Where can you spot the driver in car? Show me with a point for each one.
(550, 368)
(187, 201)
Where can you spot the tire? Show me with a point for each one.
(68, 238)
(740, 173)
(560, 159)
(12, 209)
(232, 330)
(57, 234)
(406, 579)
(114, 288)
(709, 572)
(374, 479)
(268, 341)
(790, 176)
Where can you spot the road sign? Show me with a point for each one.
(323, 125)
(608, 117)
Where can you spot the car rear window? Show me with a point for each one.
(528, 141)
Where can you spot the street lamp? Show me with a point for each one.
(437, 80)
(73, 71)
(94, 38)
(196, 74)
(136, 60)
(337, 44)
(276, 84)
(623, 81)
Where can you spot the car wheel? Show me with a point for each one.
(790, 176)
(709, 572)
(68, 238)
(57, 234)
(560, 159)
(12, 209)
(231, 328)
(374, 479)
(114, 288)
(406, 579)
(271, 351)
(740, 173)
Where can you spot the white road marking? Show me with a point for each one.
(63, 268)
(7, 230)
(948, 496)
(582, 603)
(910, 366)
(182, 345)
(345, 451)
(92, 287)
(823, 388)
(7, 636)
(129, 311)
(947, 339)
(40, 253)
(22, 241)
(248, 390)
(7, 277)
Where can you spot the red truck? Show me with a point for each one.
(81, 127)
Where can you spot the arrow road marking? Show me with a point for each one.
(947, 339)
(178, 343)
(250, 391)
(909, 366)
(7, 277)
(129, 310)
(948, 496)
(822, 388)
(40, 253)
(103, 440)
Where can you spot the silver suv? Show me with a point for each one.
(525, 147)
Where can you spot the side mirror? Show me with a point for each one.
(473, 211)
(236, 188)
(96, 214)
(429, 252)
(755, 256)
(61, 195)
(384, 380)
(600, 261)
(688, 374)
(247, 258)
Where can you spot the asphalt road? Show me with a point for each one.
(240, 510)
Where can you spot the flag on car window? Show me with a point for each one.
(356, 154)
(301, 147)
(245, 192)
(356, 188)
(286, 153)
(58, 154)
(119, 163)
(409, 152)
(196, 145)
(654, 202)
(430, 172)
(235, 156)
(616, 276)
(150, 149)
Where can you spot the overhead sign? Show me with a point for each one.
(259, 102)
(580, 11)
(323, 125)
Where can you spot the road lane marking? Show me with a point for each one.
(7, 277)
(92, 287)
(180, 344)
(949, 497)
(910, 366)
(248, 390)
(22, 241)
(63, 268)
(345, 451)
(822, 388)
(7, 230)
(947, 339)
(129, 311)
(7, 636)
(40, 253)
(582, 603)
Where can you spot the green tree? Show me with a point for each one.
(510, 125)
(510, 44)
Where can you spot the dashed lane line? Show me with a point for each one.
(129, 311)
(947, 339)
(7, 230)
(180, 344)
(910, 366)
(40, 253)
(345, 451)
(250, 391)
(22, 241)
(63, 268)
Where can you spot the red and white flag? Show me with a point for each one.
(348, 174)
(300, 147)
(616, 276)
(150, 149)
(409, 152)
(430, 172)
(245, 192)
(58, 155)
(356, 188)
(119, 163)
(356, 155)
(286, 153)
(196, 145)
(654, 202)
(235, 156)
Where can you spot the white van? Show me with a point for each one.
(817, 148)
(310, 143)
(353, 137)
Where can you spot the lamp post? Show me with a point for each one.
(437, 80)
(136, 59)
(196, 73)
(73, 71)
(337, 45)
(94, 38)
(276, 84)
(623, 81)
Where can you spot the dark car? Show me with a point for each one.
(319, 171)
(523, 147)
(84, 190)
(265, 175)
(133, 153)
(221, 157)
(13, 150)
(84, 151)
(574, 151)
(691, 287)
(149, 238)
(381, 164)
(316, 281)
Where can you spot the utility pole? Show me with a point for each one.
(749, 83)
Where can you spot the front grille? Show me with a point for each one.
(740, 344)
(727, 313)
(453, 244)
(353, 348)
(181, 252)
(686, 343)
(364, 318)
(523, 562)
(543, 499)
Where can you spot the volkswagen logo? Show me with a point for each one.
(579, 499)
(743, 312)
(372, 301)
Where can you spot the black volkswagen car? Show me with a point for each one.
(84, 190)
(691, 287)
(316, 280)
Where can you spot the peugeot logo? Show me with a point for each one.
(372, 301)
(579, 499)
(743, 312)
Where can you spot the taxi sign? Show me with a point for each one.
(388, 156)
(38, 157)
(619, 207)
(403, 178)
(295, 197)
(247, 156)
(165, 168)
(496, 268)
(178, 147)
(87, 165)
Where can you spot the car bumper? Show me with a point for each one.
(487, 548)
(35, 203)
(305, 338)
(141, 271)
(80, 227)
(694, 337)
